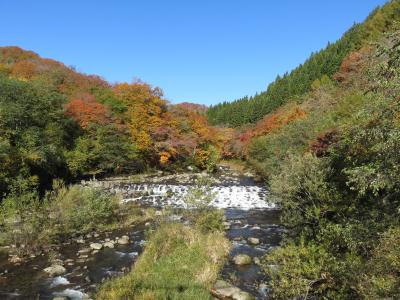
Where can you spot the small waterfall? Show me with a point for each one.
(162, 194)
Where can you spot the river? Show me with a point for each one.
(249, 214)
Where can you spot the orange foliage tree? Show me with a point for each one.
(23, 69)
(146, 112)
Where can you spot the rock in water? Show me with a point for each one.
(224, 290)
(124, 240)
(253, 240)
(96, 246)
(242, 259)
(108, 245)
(55, 270)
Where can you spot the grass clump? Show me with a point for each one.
(179, 262)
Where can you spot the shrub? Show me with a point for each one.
(210, 221)
(198, 199)
(298, 271)
(29, 222)
(80, 209)
(23, 220)
(382, 279)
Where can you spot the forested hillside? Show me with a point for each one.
(58, 123)
(289, 86)
(330, 156)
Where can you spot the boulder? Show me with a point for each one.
(55, 270)
(242, 259)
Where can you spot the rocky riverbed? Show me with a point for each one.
(76, 267)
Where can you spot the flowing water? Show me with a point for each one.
(248, 212)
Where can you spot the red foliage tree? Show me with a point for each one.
(320, 146)
(86, 110)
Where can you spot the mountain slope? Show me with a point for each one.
(300, 80)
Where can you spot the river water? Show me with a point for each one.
(247, 207)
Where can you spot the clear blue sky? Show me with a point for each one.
(203, 51)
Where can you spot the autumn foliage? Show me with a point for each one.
(270, 123)
(159, 134)
(86, 110)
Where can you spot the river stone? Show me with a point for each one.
(224, 290)
(61, 298)
(108, 245)
(242, 259)
(253, 241)
(96, 246)
(84, 251)
(55, 270)
(227, 225)
(241, 295)
(123, 241)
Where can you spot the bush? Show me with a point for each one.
(30, 223)
(210, 221)
(23, 222)
(382, 279)
(301, 270)
(80, 209)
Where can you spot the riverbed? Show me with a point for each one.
(249, 213)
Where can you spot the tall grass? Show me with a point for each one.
(179, 262)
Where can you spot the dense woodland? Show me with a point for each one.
(325, 137)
